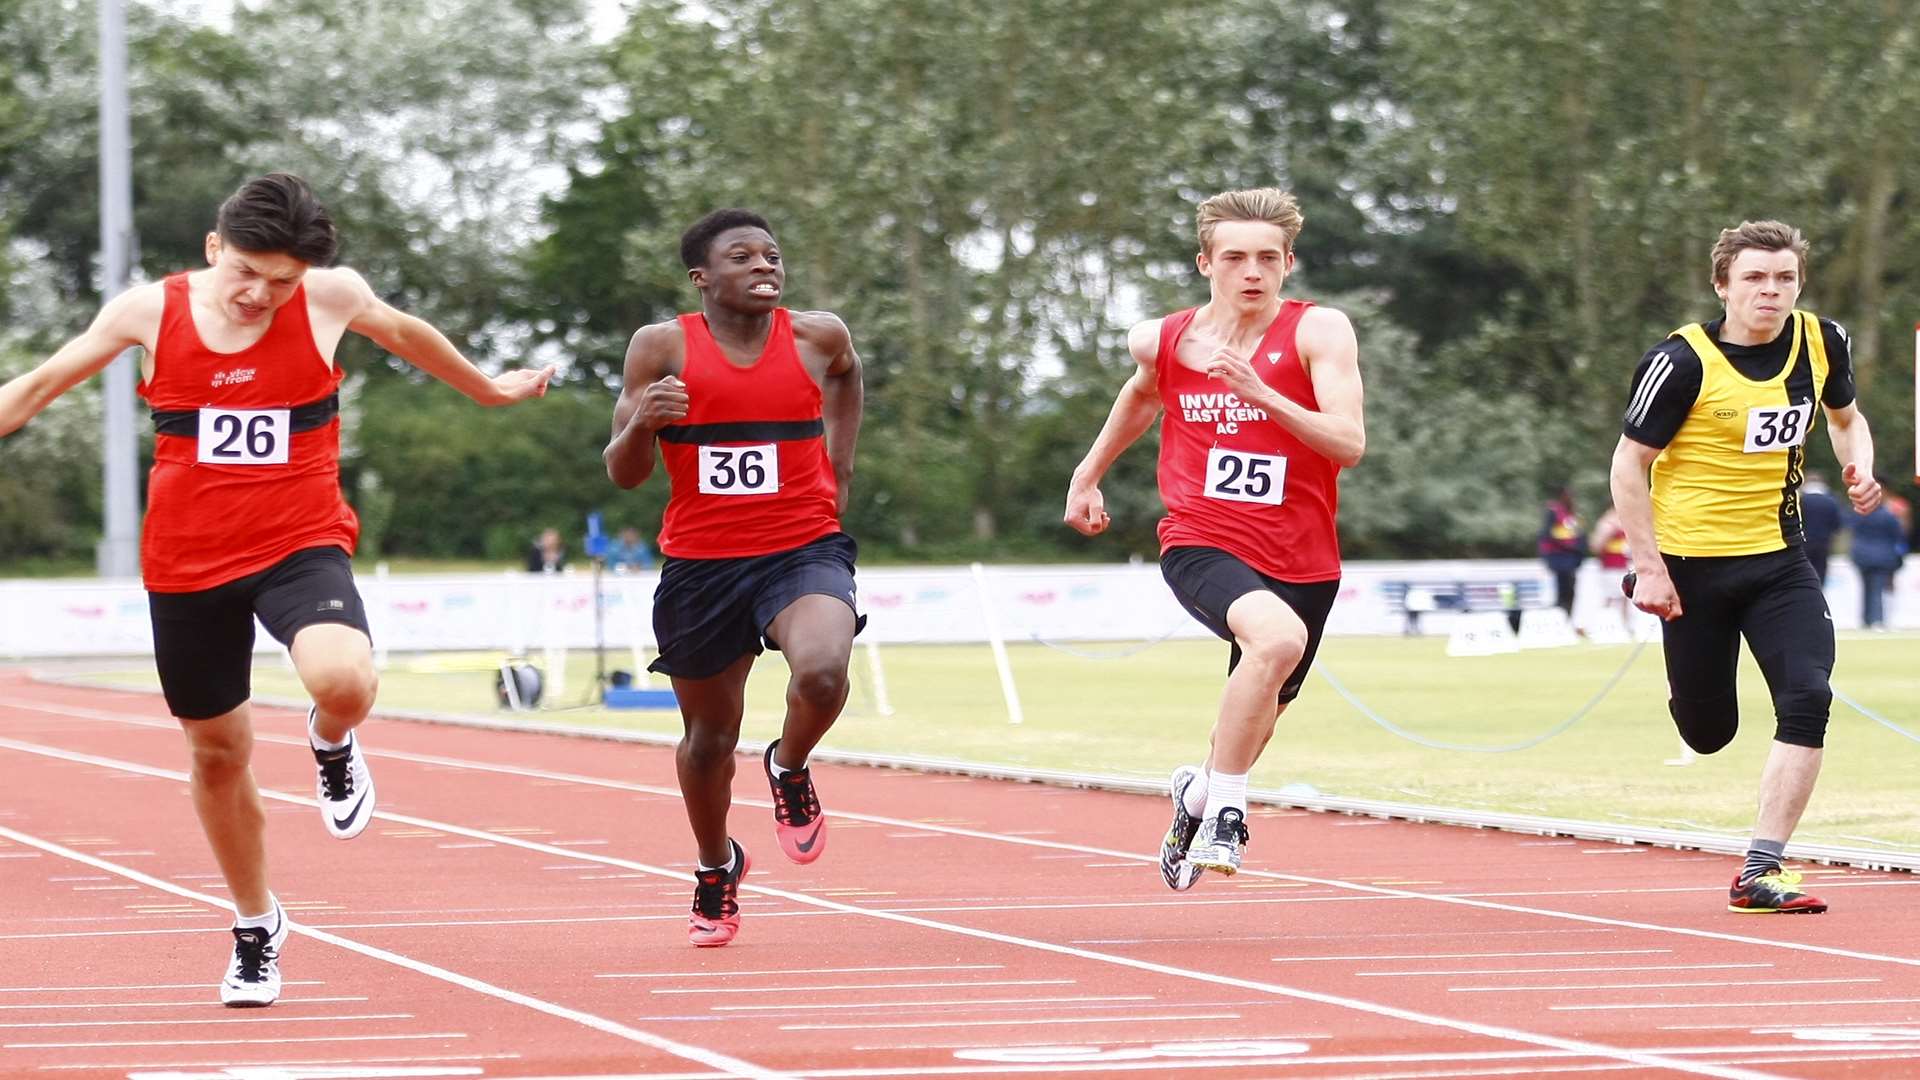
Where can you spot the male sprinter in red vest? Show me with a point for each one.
(756, 409)
(244, 511)
(1262, 399)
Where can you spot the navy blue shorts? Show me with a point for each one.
(203, 641)
(707, 613)
(1207, 581)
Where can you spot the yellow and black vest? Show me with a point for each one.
(1729, 482)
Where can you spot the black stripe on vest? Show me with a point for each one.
(1799, 387)
(744, 431)
(313, 414)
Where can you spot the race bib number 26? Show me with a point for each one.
(740, 470)
(1771, 428)
(1238, 476)
(244, 436)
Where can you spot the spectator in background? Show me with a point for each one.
(1563, 546)
(1820, 516)
(1879, 547)
(548, 554)
(629, 553)
(1608, 542)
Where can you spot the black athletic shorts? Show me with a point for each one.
(1773, 600)
(1207, 581)
(707, 613)
(203, 641)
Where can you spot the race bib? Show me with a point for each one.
(1238, 476)
(1777, 427)
(245, 436)
(740, 470)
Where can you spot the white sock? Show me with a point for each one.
(319, 743)
(1195, 799)
(778, 770)
(269, 921)
(1224, 790)
(726, 867)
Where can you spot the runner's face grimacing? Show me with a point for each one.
(1760, 290)
(251, 285)
(743, 270)
(1248, 263)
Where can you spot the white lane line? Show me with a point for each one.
(265, 1019)
(197, 1003)
(794, 971)
(1494, 1031)
(1562, 970)
(140, 986)
(1637, 986)
(1468, 955)
(1002, 837)
(946, 985)
(1756, 1003)
(918, 1003)
(713, 1059)
(282, 1066)
(92, 1043)
(1049, 1021)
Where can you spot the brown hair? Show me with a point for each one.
(278, 214)
(1271, 205)
(1756, 235)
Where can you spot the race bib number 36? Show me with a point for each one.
(245, 436)
(740, 470)
(1771, 428)
(1238, 476)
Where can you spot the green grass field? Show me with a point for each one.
(1139, 715)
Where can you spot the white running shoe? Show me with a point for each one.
(1174, 868)
(1219, 843)
(345, 787)
(253, 975)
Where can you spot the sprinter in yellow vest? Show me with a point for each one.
(1720, 416)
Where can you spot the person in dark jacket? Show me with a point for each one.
(1879, 547)
(1820, 515)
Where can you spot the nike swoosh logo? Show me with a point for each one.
(358, 805)
(804, 846)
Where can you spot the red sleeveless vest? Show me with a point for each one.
(748, 464)
(1234, 479)
(241, 479)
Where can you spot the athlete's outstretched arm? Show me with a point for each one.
(1853, 445)
(843, 399)
(1132, 414)
(1633, 497)
(114, 330)
(651, 397)
(418, 343)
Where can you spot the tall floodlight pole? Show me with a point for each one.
(119, 551)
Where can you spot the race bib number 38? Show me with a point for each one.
(1771, 428)
(245, 436)
(1238, 476)
(740, 470)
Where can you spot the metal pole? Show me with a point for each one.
(118, 554)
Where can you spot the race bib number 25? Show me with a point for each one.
(244, 436)
(740, 470)
(1238, 476)
(1771, 428)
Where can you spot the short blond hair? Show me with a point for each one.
(1756, 235)
(1271, 205)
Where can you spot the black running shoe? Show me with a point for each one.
(715, 918)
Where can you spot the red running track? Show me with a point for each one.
(518, 909)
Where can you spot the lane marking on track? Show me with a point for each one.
(219, 1020)
(1494, 1031)
(1005, 838)
(735, 974)
(270, 1065)
(713, 1059)
(1002, 837)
